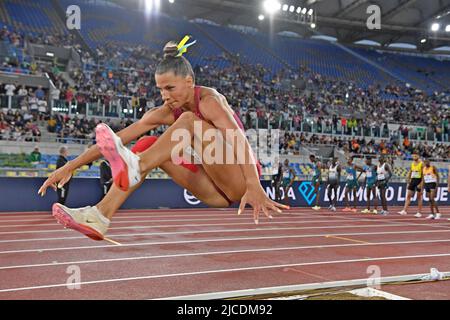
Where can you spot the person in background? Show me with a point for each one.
(448, 179)
(370, 181)
(276, 181)
(316, 178)
(334, 177)
(288, 177)
(384, 174)
(35, 156)
(10, 88)
(105, 176)
(63, 191)
(39, 93)
(351, 184)
(415, 183)
(431, 179)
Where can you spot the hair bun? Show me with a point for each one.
(170, 50)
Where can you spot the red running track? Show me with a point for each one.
(171, 253)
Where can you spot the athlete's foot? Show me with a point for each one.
(403, 213)
(354, 210)
(375, 211)
(333, 208)
(124, 163)
(316, 208)
(430, 217)
(438, 216)
(346, 209)
(418, 215)
(365, 211)
(87, 220)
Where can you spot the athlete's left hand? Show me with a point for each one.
(257, 198)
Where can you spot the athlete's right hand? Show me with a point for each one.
(56, 180)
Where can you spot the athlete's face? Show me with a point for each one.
(427, 163)
(415, 157)
(368, 162)
(350, 161)
(176, 91)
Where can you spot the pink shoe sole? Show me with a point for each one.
(107, 146)
(67, 221)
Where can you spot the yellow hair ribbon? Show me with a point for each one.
(182, 46)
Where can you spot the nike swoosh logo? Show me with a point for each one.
(89, 221)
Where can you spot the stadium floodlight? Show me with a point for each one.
(171, 1)
(148, 6)
(153, 5)
(271, 6)
(447, 28)
(299, 9)
(285, 7)
(423, 40)
(304, 10)
(310, 12)
(435, 27)
(291, 8)
(313, 25)
(261, 17)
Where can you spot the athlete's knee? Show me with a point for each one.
(187, 117)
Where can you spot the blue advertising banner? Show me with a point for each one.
(20, 194)
(302, 194)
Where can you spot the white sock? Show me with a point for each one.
(104, 219)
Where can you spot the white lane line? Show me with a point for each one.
(400, 222)
(168, 215)
(238, 218)
(124, 215)
(442, 224)
(250, 223)
(276, 266)
(391, 243)
(229, 218)
(176, 210)
(180, 212)
(165, 213)
(324, 219)
(206, 231)
(40, 250)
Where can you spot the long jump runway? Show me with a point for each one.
(201, 253)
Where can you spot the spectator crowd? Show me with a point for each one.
(120, 75)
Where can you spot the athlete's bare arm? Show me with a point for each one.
(436, 172)
(152, 119)
(215, 109)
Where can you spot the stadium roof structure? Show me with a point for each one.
(402, 21)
